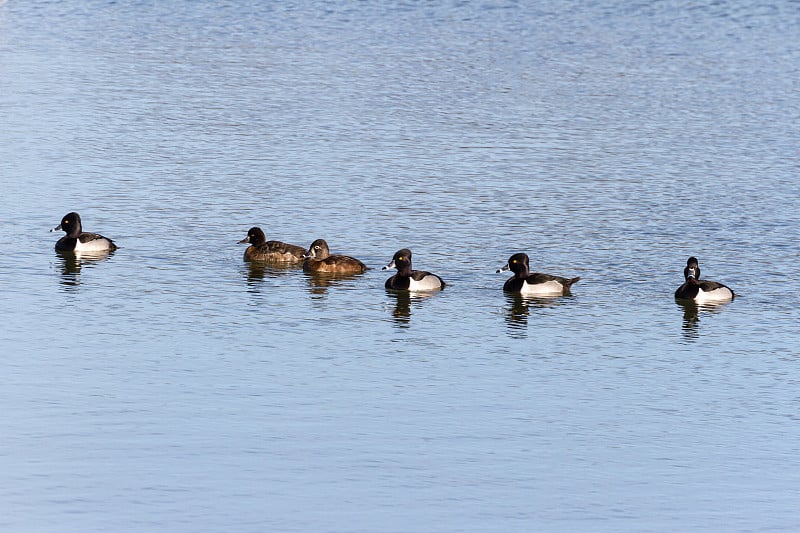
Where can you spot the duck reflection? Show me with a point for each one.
(71, 264)
(320, 282)
(519, 308)
(403, 302)
(517, 312)
(692, 311)
(258, 270)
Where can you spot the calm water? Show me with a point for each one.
(172, 387)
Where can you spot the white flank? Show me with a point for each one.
(96, 245)
(548, 288)
(428, 283)
(722, 294)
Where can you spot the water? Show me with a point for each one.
(171, 386)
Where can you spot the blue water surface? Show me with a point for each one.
(173, 387)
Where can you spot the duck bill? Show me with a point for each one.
(57, 228)
(504, 269)
(245, 240)
(389, 266)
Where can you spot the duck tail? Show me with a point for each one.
(573, 280)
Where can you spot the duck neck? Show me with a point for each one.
(405, 271)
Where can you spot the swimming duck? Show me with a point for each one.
(535, 284)
(319, 259)
(701, 290)
(77, 240)
(407, 279)
(261, 249)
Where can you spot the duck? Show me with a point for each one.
(408, 279)
(318, 259)
(536, 284)
(261, 249)
(699, 290)
(77, 240)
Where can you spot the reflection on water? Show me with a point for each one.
(691, 315)
(517, 314)
(71, 264)
(255, 272)
(403, 303)
(258, 270)
(402, 307)
(319, 282)
(519, 307)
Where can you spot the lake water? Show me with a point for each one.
(173, 387)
